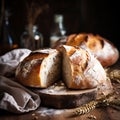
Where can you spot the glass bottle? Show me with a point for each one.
(31, 38)
(58, 30)
(6, 35)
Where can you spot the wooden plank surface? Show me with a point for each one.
(54, 114)
(60, 97)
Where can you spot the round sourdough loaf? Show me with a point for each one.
(41, 68)
(84, 80)
(81, 70)
(101, 48)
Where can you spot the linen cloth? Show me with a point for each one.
(14, 97)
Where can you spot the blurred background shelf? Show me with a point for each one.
(91, 16)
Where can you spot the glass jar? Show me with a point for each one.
(31, 38)
(58, 30)
(7, 41)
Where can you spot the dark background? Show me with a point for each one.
(91, 16)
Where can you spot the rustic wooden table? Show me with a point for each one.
(43, 113)
(52, 114)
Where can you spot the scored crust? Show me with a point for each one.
(81, 70)
(103, 49)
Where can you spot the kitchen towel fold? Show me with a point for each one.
(13, 96)
(10, 60)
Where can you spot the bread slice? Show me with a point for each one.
(40, 69)
(81, 70)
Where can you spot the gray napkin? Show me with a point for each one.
(10, 60)
(13, 96)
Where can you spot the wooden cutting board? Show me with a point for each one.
(58, 96)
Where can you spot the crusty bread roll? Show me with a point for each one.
(81, 70)
(100, 47)
(40, 69)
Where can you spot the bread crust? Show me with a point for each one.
(104, 50)
(40, 69)
(81, 69)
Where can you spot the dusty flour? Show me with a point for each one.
(43, 111)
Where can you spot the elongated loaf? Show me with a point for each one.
(104, 50)
(40, 69)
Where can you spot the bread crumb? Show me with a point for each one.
(34, 116)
